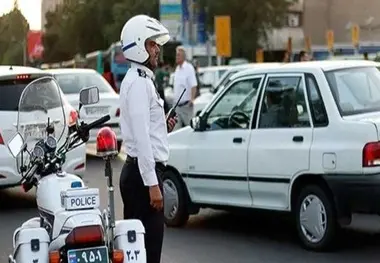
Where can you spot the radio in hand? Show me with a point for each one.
(172, 113)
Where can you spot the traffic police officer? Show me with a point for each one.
(144, 129)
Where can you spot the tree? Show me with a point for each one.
(251, 20)
(13, 32)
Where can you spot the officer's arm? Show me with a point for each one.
(138, 107)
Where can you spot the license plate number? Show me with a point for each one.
(88, 255)
(97, 110)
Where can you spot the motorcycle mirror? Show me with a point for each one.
(88, 96)
(16, 144)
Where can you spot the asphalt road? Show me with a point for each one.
(212, 236)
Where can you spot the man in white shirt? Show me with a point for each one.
(144, 130)
(184, 79)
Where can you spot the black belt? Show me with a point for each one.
(134, 161)
(183, 103)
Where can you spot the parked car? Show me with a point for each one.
(201, 102)
(13, 80)
(302, 138)
(72, 80)
(208, 77)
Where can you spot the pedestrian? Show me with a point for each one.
(107, 74)
(365, 55)
(144, 130)
(304, 56)
(184, 79)
(286, 58)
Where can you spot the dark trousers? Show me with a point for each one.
(136, 201)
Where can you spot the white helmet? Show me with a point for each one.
(136, 31)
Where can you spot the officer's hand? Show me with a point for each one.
(156, 199)
(171, 123)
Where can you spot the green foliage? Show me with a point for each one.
(13, 31)
(83, 26)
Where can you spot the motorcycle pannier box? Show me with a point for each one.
(31, 245)
(129, 237)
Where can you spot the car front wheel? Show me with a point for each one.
(175, 200)
(316, 218)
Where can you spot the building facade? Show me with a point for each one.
(339, 16)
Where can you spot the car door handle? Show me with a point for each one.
(237, 140)
(298, 139)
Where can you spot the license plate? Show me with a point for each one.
(97, 111)
(81, 199)
(88, 255)
(35, 131)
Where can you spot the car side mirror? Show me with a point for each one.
(16, 145)
(198, 123)
(88, 96)
(195, 123)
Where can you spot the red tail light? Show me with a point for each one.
(73, 117)
(85, 235)
(371, 154)
(118, 112)
(1, 140)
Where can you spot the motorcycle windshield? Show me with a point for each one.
(41, 105)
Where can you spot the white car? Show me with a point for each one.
(205, 97)
(72, 81)
(300, 138)
(13, 80)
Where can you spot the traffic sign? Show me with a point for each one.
(355, 34)
(222, 26)
(330, 39)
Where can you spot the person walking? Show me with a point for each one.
(144, 130)
(184, 79)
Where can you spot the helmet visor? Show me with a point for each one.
(160, 39)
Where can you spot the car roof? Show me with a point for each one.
(214, 68)
(255, 68)
(325, 65)
(8, 70)
(58, 71)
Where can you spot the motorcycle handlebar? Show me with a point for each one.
(97, 122)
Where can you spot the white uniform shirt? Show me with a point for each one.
(143, 122)
(184, 78)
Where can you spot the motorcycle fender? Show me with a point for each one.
(31, 245)
(129, 237)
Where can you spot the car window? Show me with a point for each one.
(72, 83)
(317, 107)
(284, 104)
(355, 90)
(234, 108)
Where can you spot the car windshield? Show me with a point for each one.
(355, 90)
(71, 83)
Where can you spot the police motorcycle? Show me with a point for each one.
(70, 227)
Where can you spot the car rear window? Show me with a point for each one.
(10, 93)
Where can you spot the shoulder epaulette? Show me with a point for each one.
(141, 73)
